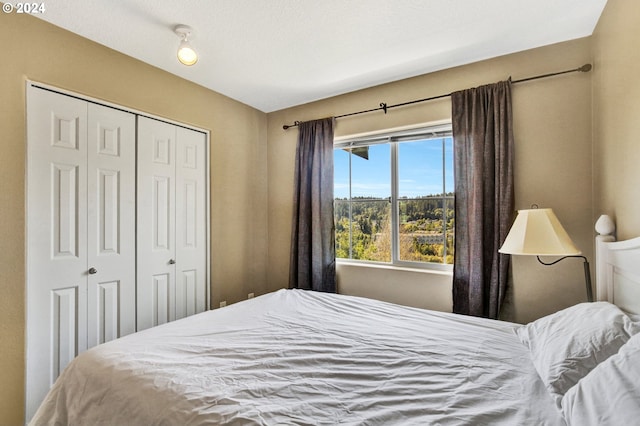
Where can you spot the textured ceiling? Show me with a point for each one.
(273, 54)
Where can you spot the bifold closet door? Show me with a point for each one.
(80, 232)
(171, 252)
(111, 207)
(156, 223)
(191, 227)
(56, 238)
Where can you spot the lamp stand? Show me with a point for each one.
(587, 273)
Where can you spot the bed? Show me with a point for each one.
(304, 358)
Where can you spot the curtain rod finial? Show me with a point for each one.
(586, 68)
(288, 126)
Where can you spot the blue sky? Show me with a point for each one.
(420, 170)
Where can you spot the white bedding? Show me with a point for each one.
(299, 357)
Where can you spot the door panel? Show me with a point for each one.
(109, 311)
(191, 226)
(56, 241)
(68, 130)
(64, 306)
(64, 211)
(111, 205)
(156, 223)
(187, 296)
(108, 212)
(161, 213)
(161, 300)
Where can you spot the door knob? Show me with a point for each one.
(93, 271)
(172, 262)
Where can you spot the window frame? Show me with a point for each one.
(394, 138)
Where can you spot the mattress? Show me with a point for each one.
(297, 357)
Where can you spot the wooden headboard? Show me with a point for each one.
(618, 271)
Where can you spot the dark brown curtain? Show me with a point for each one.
(484, 203)
(313, 256)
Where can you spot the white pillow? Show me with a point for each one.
(567, 345)
(610, 394)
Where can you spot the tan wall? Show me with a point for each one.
(616, 107)
(552, 121)
(417, 288)
(39, 51)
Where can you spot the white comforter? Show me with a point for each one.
(306, 358)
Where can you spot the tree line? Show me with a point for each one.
(426, 228)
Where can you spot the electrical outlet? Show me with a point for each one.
(250, 296)
(223, 303)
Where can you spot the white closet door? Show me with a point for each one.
(191, 227)
(111, 224)
(56, 238)
(84, 282)
(156, 223)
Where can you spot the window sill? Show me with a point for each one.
(446, 270)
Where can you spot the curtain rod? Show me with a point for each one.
(384, 107)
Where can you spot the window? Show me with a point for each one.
(394, 198)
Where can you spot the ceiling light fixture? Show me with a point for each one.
(186, 54)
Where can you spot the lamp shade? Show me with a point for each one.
(538, 232)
